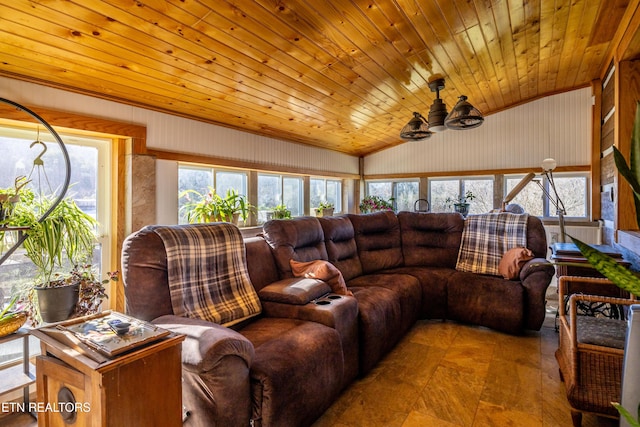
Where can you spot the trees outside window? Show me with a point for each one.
(276, 190)
(572, 189)
(442, 191)
(403, 193)
(325, 190)
(203, 179)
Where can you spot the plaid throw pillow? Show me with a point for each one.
(486, 237)
(208, 277)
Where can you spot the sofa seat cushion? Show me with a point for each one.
(433, 283)
(406, 290)
(379, 324)
(297, 371)
(486, 301)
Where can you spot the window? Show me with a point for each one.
(274, 190)
(530, 198)
(442, 191)
(572, 189)
(201, 179)
(403, 193)
(326, 190)
(90, 179)
(89, 186)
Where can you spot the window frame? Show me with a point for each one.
(394, 188)
(547, 206)
(281, 179)
(337, 182)
(213, 183)
(461, 185)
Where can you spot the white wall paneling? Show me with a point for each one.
(557, 126)
(167, 193)
(172, 133)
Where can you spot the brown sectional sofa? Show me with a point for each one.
(287, 366)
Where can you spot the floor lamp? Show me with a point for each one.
(548, 165)
(517, 189)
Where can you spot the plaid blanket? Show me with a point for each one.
(208, 277)
(486, 237)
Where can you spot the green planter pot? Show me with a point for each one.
(57, 303)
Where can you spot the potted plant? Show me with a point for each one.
(607, 266)
(375, 204)
(324, 209)
(461, 205)
(212, 207)
(238, 205)
(279, 212)
(9, 197)
(64, 239)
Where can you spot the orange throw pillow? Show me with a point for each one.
(321, 270)
(512, 262)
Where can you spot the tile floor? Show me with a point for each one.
(444, 374)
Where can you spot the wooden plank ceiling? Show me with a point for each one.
(343, 74)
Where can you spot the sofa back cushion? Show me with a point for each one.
(300, 239)
(430, 239)
(144, 275)
(260, 262)
(536, 237)
(339, 239)
(377, 237)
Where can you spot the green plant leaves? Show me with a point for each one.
(627, 415)
(631, 172)
(67, 233)
(213, 207)
(608, 267)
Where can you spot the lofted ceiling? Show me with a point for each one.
(344, 74)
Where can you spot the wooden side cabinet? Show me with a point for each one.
(140, 388)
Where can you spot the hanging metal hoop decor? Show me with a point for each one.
(67, 163)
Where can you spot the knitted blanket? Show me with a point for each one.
(208, 277)
(486, 237)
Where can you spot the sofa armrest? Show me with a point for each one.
(206, 343)
(296, 291)
(215, 372)
(536, 265)
(339, 312)
(536, 276)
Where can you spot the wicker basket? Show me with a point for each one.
(9, 326)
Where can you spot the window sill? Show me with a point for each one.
(629, 239)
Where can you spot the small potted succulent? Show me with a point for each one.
(324, 209)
